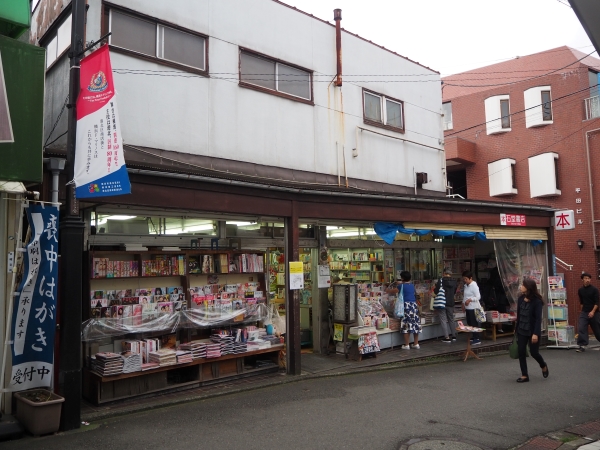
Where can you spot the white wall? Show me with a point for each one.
(542, 175)
(500, 177)
(534, 116)
(493, 114)
(216, 117)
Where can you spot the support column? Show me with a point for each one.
(292, 307)
(71, 251)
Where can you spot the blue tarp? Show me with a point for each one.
(387, 231)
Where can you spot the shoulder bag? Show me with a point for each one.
(439, 302)
(399, 306)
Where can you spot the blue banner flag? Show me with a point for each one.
(34, 312)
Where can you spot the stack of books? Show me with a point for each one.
(258, 344)
(132, 362)
(107, 363)
(198, 348)
(274, 340)
(150, 366)
(213, 350)
(164, 357)
(225, 342)
(184, 356)
(239, 347)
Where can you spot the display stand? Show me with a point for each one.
(470, 331)
(559, 331)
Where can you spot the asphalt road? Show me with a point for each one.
(478, 401)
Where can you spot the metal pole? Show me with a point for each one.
(71, 251)
(292, 307)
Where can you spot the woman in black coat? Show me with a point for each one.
(529, 327)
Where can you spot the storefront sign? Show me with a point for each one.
(564, 220)
(34, 313)
(22, 69)
(512, 220)
(296, 275)
(99, 161)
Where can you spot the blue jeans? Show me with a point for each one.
(472, 321)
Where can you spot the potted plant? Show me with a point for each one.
(39, 411)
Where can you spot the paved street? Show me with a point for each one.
(476, 401)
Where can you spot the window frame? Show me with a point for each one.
(549, 103)
(513, 174)
(505, 117)
(52, 33)
(556, 174)
(447, 124)
(276, 92)
(105, 26)
(382, 124)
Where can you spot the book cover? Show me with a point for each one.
(136, 310)
(106, 312)
(130, 300)
(97, 294)
(99, 303)
(175, 290)
(145, 299)
(96, 313)
(165, 307)
(177, 297)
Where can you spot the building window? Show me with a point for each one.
(505, 113)
(502, 177)
(447, 112)
(383, 111)
(149, 37)
(497, 114)
(513, 175)
(272, 75)
(546, 106)
(557, 184)
(58, 42)
(543, 175)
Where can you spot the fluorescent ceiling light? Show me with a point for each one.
(120, 217)
(204, 227)
(332, 227)
(240, 224)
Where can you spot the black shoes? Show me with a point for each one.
(523, 380)
(581, 349)
(546, 373)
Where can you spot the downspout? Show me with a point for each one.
(337, 16)
(587, 152)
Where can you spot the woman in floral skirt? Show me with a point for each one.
(411, 322)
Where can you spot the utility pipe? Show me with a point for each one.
(337, 16)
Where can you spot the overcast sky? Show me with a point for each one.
(453, 36)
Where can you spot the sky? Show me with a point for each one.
(453, 36)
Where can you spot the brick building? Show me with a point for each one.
(528, 131)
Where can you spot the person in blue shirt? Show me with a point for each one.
(411, 322)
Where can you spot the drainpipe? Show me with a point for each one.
(337, 16)
(56, 165)
(587, 154)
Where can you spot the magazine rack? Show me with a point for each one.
(559, 329)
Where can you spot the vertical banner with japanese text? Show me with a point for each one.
(99, 160)
(34, 312)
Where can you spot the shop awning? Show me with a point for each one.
(520, 233)
(440, 226)
(12, 187)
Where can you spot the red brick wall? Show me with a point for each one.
(566, 136)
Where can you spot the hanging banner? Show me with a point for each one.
(99, 160)
(34, 312)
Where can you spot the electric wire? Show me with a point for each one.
(56, 123)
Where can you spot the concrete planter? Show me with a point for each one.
(39, 411)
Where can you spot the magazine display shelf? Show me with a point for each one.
(184, 268)
(203, 371)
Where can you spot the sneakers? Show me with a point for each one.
(416, 347)
(405, 347)
(453, 338)
(476, 342)
(447, 340)
(581, 349)
(500, 331)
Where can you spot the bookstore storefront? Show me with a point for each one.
(192, 276)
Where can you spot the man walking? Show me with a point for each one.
(589, 298)
(446, 315)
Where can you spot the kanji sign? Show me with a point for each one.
(512, 220)
(34, 312)
(564, 220)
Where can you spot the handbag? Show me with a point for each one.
(439, 302)
(480, 313)
(399, 306)
(513, 349)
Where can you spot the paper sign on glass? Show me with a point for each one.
(296, 275)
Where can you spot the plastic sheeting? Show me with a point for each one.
(97, 329)
(387, 232)
(517, 260)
